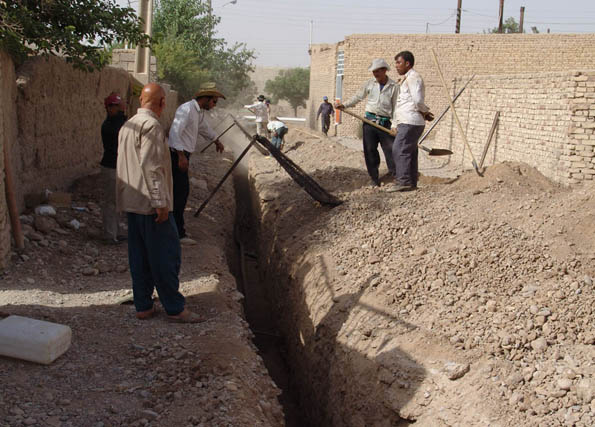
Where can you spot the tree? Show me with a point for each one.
(188, 54)
(76, 30)
(292, 85)
(510, 26)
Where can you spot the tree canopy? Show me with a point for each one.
(510, 26)
(76, 30)
(189, 54)
(292, 84)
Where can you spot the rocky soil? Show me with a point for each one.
(121, 371)
(467, 302)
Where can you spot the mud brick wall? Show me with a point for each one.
(8, 132)
(482, 54)
(578, 155)
(323, 69)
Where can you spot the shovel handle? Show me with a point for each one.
(370, 122)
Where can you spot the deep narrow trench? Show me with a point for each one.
(257, 305)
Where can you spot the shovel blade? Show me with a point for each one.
(436, 151)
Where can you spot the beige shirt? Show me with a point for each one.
(144, 180)
(380, 102)
(411, 100)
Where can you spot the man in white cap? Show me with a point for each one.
(261, 112)
(326, 109)
(190, 123)
(381, 93)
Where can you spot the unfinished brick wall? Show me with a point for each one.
(8, 132)
(124, 59)
(508, 55)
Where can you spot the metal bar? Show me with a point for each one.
(220, 135)
(490, 135)
(233, 166)
(444, 112)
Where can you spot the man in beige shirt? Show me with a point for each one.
(144, 190)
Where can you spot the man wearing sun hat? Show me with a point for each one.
(190, 123)
(381, 93)
(109, 137)
(261, 112)
(326, 109)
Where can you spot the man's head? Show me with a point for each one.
(113, 104)
(404, 61)
(208, 95)
(379, 68)
(260, 98)
(152, 97)
(325, 98)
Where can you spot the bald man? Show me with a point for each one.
(144, 190)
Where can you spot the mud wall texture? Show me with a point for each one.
(504, 55)
(60, 111)
(8, 132)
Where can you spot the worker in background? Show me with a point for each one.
(381, 93)
(189, 124)
(144, 190)
(261, 112)
(411, 113)
(327, 110)
(278, 129)
(109, 137)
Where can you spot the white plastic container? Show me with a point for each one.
(33, 340)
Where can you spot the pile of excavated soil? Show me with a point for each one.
(467, 302)
(121, 371)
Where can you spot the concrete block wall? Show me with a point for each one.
(8, 134)
(464, 55)
(323, 69)
(124, 59)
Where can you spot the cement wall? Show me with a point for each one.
(8, 133)
(322, 81)
(538, 109)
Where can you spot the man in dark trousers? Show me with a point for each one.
(381, 93)
(190, 123)
(109, 136)
(411, 115)
(327, 110)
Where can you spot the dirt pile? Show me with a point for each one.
(467, 302)
(119, 370)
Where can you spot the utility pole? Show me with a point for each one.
(142, 58)
(522, 19)
(311, 25)
(501, 17)
(459, 6)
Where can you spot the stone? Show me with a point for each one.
(585, 390)
(148, 414)
(454, 371)
(33, 340)
(564, 384)
(45, 224)
(539, 345)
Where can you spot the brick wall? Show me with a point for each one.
(124, 59)
(507, 55)
(578, 157)
(8, 132)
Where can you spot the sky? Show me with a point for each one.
(279, 30)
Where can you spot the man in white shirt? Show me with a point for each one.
(261, 111)
(381, 93)
(411, 113)
(278, 129)
(190, 123)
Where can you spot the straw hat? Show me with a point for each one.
(208, 89)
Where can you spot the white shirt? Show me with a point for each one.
(260, 111)
(275, 125)
(410, 104)
(189, 123)
(380, 102)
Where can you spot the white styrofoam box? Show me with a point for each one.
(33, 340)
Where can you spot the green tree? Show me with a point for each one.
(76, 30)
(292, 85)
(188, 54)
(510, 26)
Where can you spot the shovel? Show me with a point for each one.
(430, 151)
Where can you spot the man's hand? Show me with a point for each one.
(182, 161)
(339, 106)
(162, 214)
(220, 148)
(393, 131)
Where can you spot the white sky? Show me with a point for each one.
(279, 30)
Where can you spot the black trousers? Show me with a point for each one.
(181, 191)
(325, 123)
(405, 153)
(373, 137)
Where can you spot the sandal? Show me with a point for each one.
(147, 314)
(186, 316)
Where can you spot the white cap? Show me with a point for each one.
(378, 63)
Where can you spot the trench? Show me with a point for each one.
(257, 305)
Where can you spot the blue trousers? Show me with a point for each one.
(405, 153)
(154, 255)
(278, 138)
